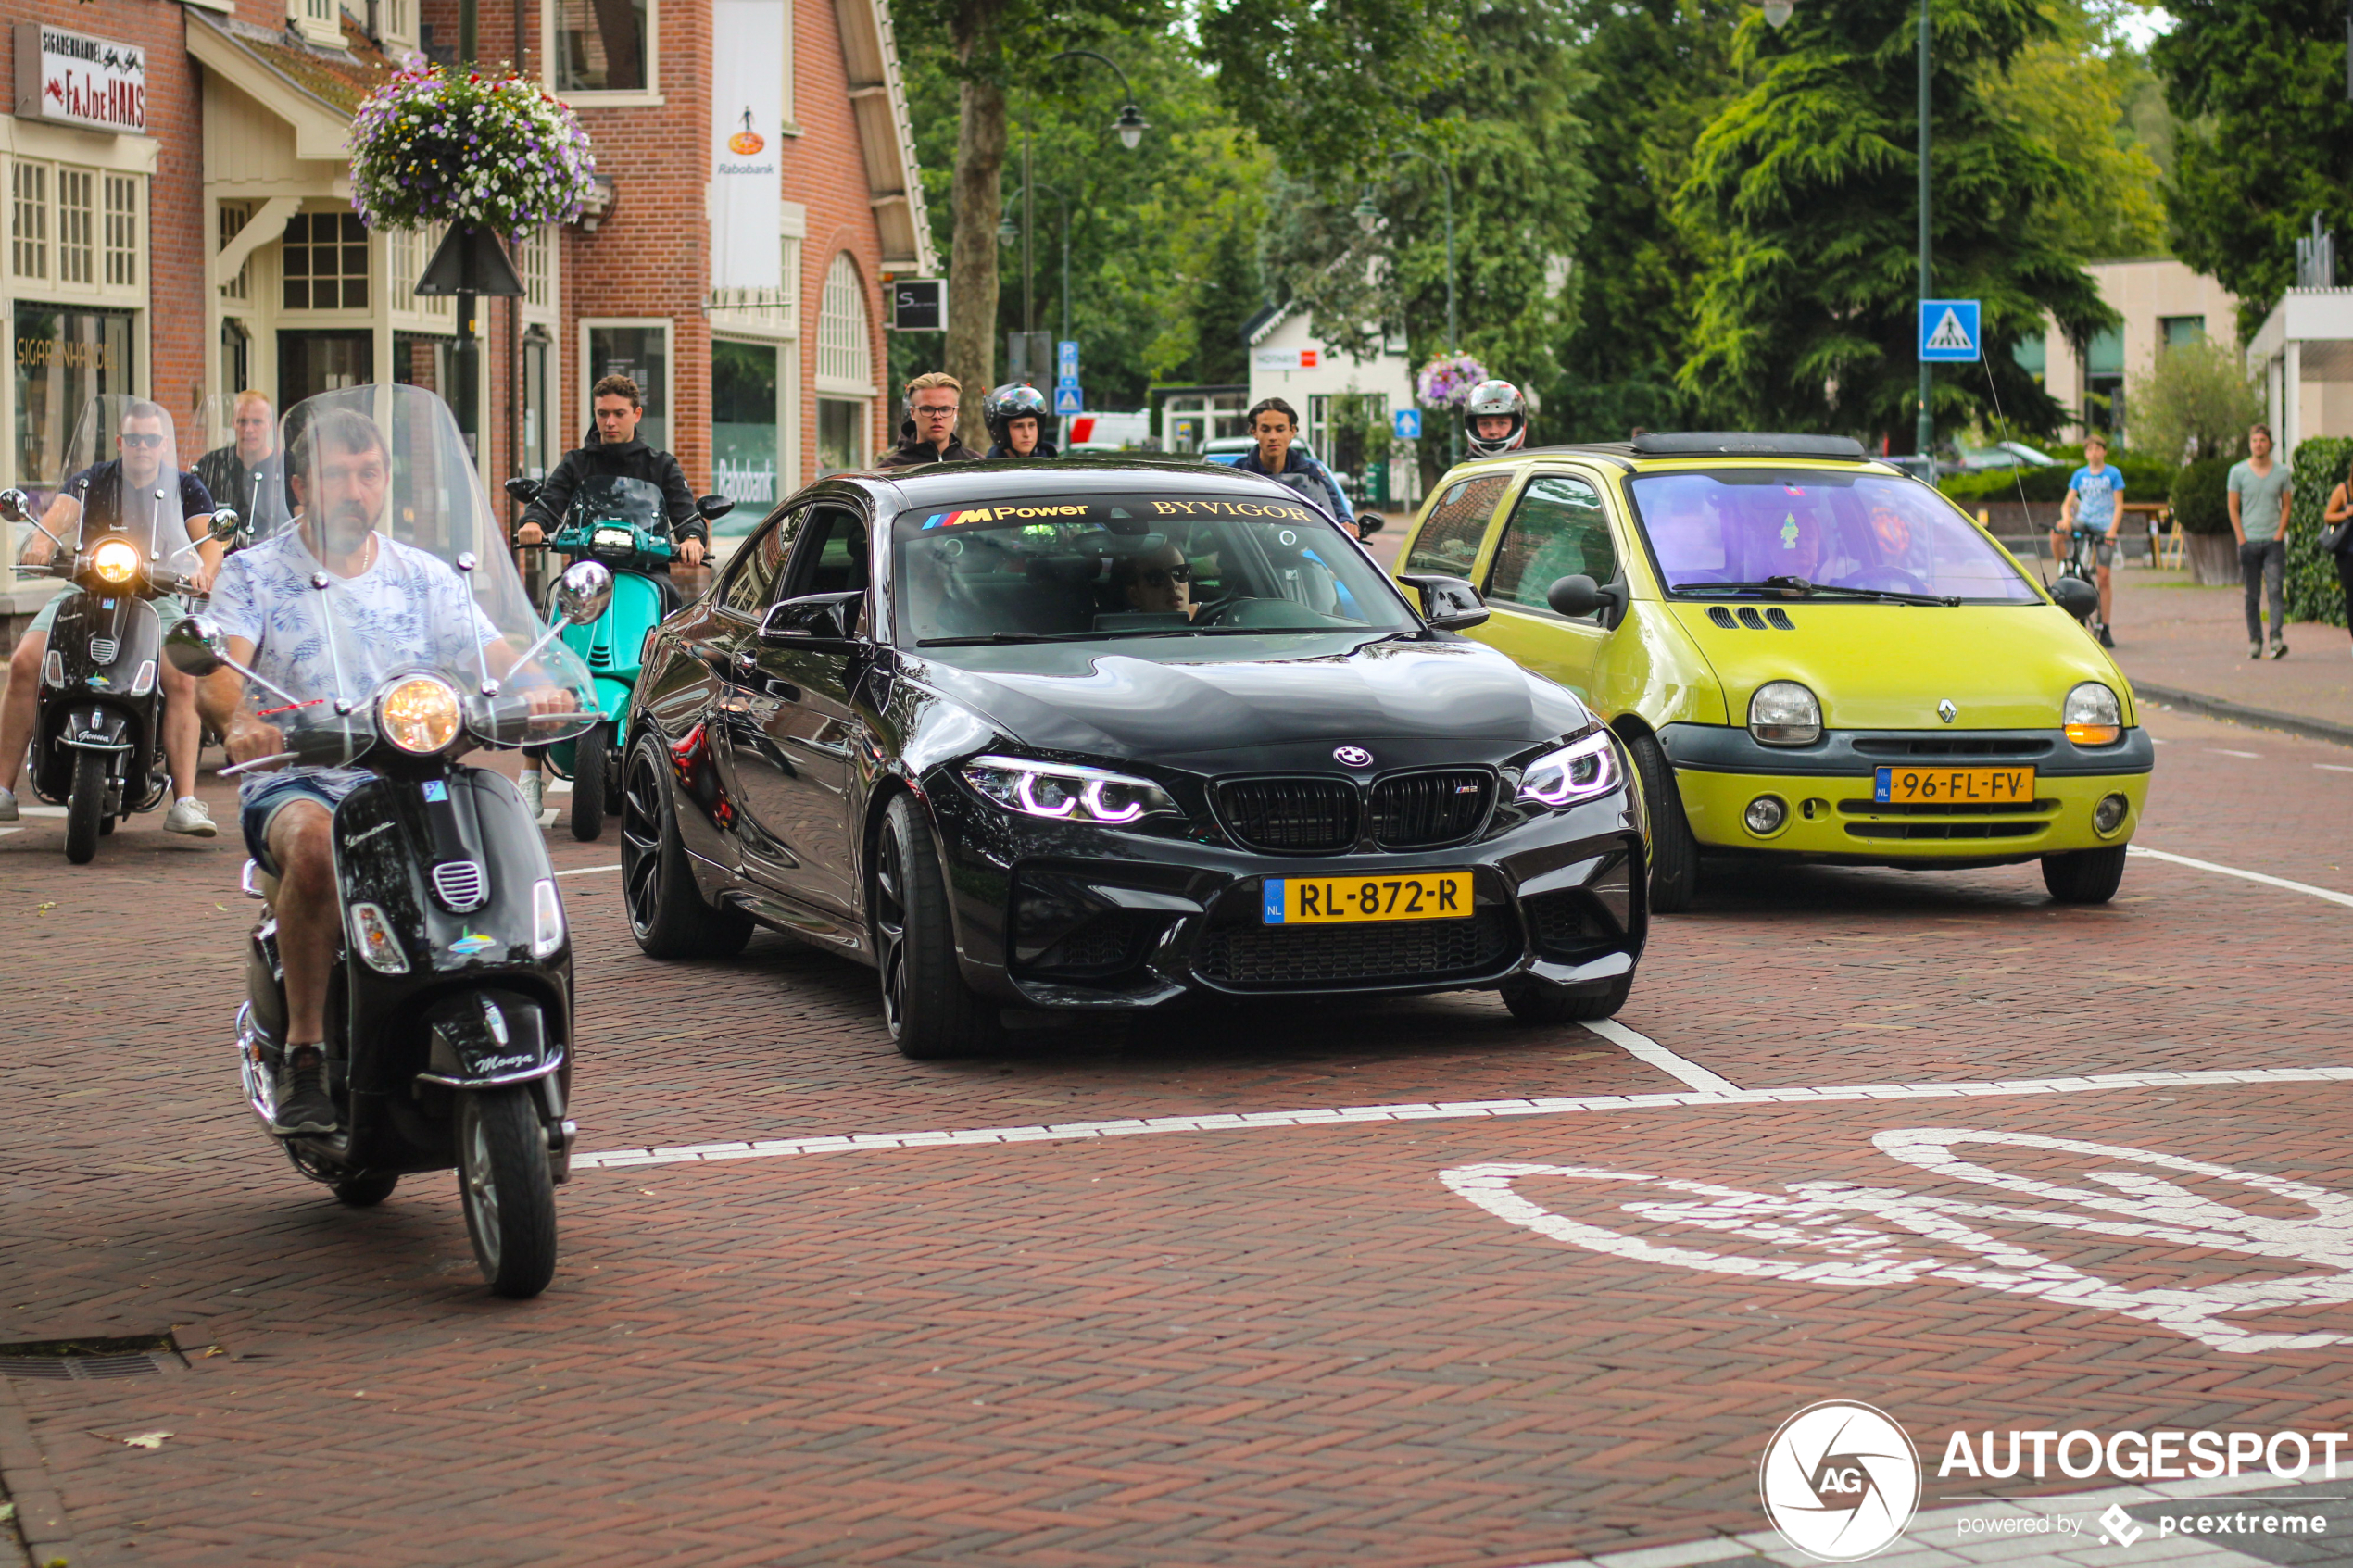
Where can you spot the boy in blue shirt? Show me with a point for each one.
(2093, 493)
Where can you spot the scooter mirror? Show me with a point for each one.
(524, 490)
(194, 645)
(714, 508)
(16, 505)
(225, 523)
(583, 592)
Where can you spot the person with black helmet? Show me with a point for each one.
(1494, 418)
(1016, 416)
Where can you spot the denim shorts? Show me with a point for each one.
(258, 810)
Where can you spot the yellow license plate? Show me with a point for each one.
(1331, 900)
(1952, 786)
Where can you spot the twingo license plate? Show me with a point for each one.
(1952, 786)
(1332, 900)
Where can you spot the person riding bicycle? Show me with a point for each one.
(1494, 419)
(1016, 416)
(2092, 497)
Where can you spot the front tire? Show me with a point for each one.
(1539, 1002)
(86, 807)
(1674, 852)
(2084, 876)
(591, 757)
(931, 1012)
(667, 914)
(508, 1194)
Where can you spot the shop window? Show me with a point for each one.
(63, 360)
(602, 46)
(324, 259)
(743, 428)
(538, 405)
(122, 232)
(841, 432)
(28, 218)
(319, 22)
(639, 350)
(311, 363)
(77, 226)
(845, 346)
(535, 259)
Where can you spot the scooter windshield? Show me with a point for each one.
(384, 605)
(606, 498)
(243, 467)
(124, 479)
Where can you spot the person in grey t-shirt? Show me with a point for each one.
(2260, 490)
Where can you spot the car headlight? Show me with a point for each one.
(418, 713)
(1065, 790)
(115, 561)
(2092, 716)
(1577, 772)
(1784, 713)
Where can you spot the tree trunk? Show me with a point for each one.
(978, 197)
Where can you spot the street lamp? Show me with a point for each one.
(1367, 216)
(1777, 12)
(1130, 126)
(1131, 123)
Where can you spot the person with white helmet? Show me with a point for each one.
(1494, 418)
(1016, 416)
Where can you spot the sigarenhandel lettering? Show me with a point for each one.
(2165, 1454)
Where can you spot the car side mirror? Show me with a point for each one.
(2076, 596)
(16, 505)
(524, 490)
(824, 622)
(714, 508)
(1368, 524)
(194, 645)
(583, 592)
(1449, 604)
(1578, 594)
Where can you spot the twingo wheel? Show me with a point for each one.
(591, 754)
(1674, 852)
(929, 1009)
(667, 914)
(509, 1193)
(1537, 1002)
(2084, 876)
(366, 1192)
(86, 807)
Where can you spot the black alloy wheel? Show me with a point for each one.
(86, 807)
(2084, 876)
(591, 756)
(1674, 852)
(931, 1012)
(1541, 1001)
(508, 1192)
(667, 914)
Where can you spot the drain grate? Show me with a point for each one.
(90, 1361)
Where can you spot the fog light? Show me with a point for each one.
(2109, 815)
(1764, 815)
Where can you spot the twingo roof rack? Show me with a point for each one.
(1745, 444)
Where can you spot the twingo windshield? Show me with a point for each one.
(1088, 567)
(1877, 533)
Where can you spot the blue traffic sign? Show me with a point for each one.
(1948, 330)
(1068, 401)
(1066, 362)
(1408, 423)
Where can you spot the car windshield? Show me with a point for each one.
(1866, 534)
(1083, 568)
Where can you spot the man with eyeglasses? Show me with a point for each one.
(933, 399)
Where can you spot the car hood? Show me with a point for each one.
(1406, 702)
(1888, 666)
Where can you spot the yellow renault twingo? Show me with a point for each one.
(1809, 655)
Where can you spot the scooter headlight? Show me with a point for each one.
(418, 713)
(117, 560)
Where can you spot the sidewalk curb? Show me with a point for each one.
(2239, 713)
(41, 1515)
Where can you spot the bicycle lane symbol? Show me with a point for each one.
(1843, 1234)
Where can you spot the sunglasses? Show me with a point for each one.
(141, 438)
(1161, 576)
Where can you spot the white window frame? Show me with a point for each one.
(647, 97)
(318, 21)
(589, 376)
(828, 384)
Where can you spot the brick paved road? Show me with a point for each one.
(1318, 1344)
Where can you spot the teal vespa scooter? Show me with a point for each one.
(619, 522)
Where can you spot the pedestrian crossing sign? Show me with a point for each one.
(1948, 330)
(1068, 400)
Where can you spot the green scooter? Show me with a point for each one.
(619, 522)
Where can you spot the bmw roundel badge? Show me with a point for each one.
(1352, 757)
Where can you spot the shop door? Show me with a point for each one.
(309, 363)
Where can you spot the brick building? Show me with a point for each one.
(179, 225)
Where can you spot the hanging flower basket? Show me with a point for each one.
(479, 151)
(1445, 382)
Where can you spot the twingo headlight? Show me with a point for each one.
(418, 713)
(1578, 771)
(2092, 716)
(117, 560)
(1065, 790)
(1784, 713)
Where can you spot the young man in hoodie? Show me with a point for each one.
(1275, 424)
(933, 400)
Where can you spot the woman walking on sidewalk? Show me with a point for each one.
(2339, 519)
(2259, 492)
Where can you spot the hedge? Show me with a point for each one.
(2145, 479)
(2313, 593)
(2200, 496)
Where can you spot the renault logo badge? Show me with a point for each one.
(1352, 757)
(1947, 711)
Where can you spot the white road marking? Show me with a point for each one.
(2225, 751)
(2333, 898)
(5, 831)
(591, 870)
(1643, 1049)
(1123, 1126)
(41, 810)
(2332, 767)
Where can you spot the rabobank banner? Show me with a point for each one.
(747, 115)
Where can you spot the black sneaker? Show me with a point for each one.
(2108, 638)
(304, 1108)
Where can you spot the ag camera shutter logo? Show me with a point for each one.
(1839, 1481)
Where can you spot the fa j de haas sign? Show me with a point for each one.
(77, 79)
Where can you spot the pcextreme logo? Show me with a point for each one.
(1839, 1481)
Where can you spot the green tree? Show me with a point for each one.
(2076, 93)
(2263, 142)
(2199, 393)
(1803, 190)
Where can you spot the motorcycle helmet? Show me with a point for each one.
(1488, 400)
(1011, 401)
